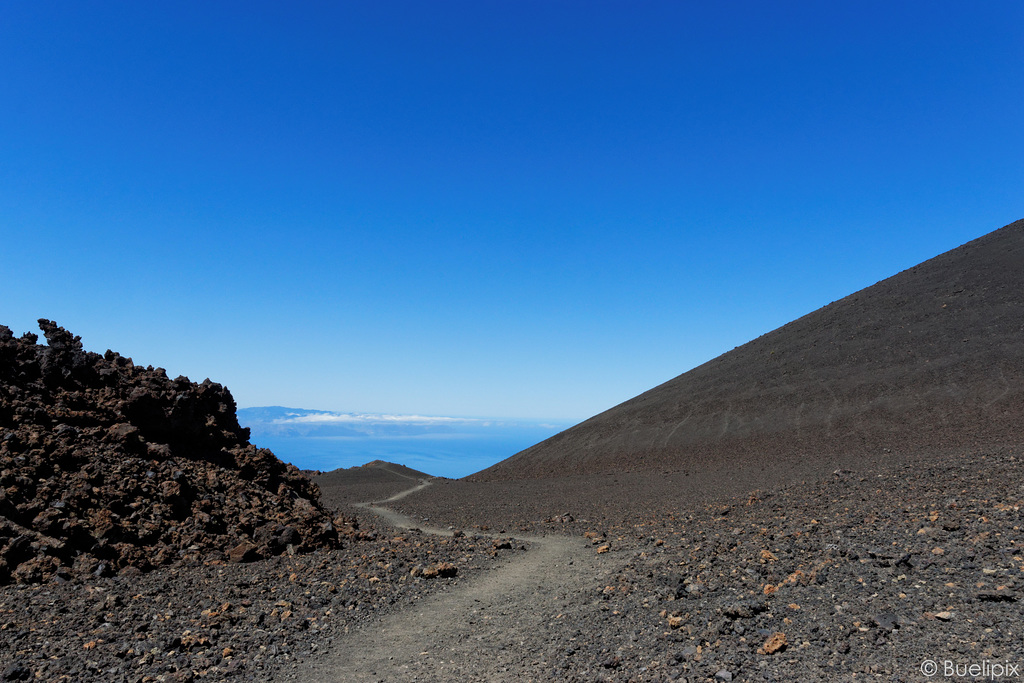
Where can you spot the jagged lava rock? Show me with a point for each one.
(108, 467)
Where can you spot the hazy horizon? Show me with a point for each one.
(441, 445)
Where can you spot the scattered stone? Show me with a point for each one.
(17, 672)
(612, 662)
(441, 570)
(776, 642)
(686, 653)
(996, 596)
(244, 552)
(744, 610)
(887, 621)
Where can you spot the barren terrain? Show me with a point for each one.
(863, 574)
(840, 499)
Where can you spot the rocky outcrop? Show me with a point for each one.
(108, 467)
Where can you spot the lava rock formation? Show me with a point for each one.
(109, 468)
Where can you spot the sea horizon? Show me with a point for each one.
(441, 446)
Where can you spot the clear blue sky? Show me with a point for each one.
(520, 209)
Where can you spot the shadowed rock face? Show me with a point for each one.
(930, 358)
(109, 467)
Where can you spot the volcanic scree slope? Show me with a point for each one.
(931, 358)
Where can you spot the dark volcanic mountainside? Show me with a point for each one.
(930, 358)
(107, 467)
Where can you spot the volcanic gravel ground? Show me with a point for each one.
(252, 621)
(863, 575)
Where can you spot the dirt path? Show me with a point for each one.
(489, 627)
(398, 520)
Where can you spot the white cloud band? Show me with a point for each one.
(367, 418)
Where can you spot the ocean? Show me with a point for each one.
(443, 455)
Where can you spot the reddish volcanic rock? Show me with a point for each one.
(108, 467)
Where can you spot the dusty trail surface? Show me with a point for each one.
(398, 520)
(485, 628)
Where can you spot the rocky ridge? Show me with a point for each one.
(107, 467)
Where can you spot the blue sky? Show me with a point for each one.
(520, 209)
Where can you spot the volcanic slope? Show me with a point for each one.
(929, 360)
(373, 481)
